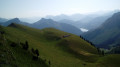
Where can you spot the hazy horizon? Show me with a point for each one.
(41, 8)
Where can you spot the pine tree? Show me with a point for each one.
(37, 52)
(103, 53)
(26, 45)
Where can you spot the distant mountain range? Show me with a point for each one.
(14, 20)
(88, 21)
(46, 23)
(108, 34)
(102, 29)
(3, 20)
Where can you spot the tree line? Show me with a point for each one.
(100, 52)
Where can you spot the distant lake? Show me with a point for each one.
(84, 30)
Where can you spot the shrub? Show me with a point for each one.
(49, 62)
(33, 51)
(13, 44)
(35, 57)
(37, 52)
(25, 46)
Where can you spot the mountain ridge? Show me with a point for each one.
(107, 34)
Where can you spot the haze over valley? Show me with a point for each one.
(59, 33)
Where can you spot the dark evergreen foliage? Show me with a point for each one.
(87, 40)
(33, 51)
(13, 44)
(35, 57)
(25, 46)
(115, 50)
(103, 53)
(2, 32)
(37, 52)
(49, 62)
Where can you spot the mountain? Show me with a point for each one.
(58, 17)
(89, 24)
(73, 17)
(47, 23)
(30, 19)
(108, 34)
(93, 23)
(88, 21)
(14, 20)
(3, 20)
(67, 21)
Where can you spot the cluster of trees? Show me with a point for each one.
(35, 54)
(25, 45)
(100, 52)
(2, 32)
(87, 40)
(114, 50)
(13, 44)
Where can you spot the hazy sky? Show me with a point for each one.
(34, 8)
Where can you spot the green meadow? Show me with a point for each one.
(71, 51)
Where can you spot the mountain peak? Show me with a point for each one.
(116, 14)
(14, 20)
(43, 20)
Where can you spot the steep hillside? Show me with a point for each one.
(107, 34)
(13, 55)
(54, 46)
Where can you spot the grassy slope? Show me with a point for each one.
(48, 48)
(112, 60)
(66, 52)
(16, 56)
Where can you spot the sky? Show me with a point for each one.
(41, 8)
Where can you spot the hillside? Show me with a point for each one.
(13, 55)
(112, 60)
(107, 34)
(60, 48)
(50, 48)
